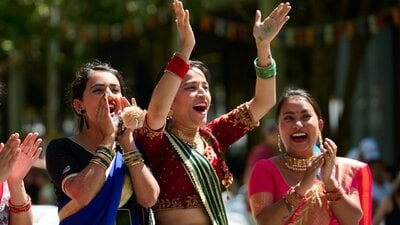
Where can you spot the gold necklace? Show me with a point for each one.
(296, 164)
(190, 140)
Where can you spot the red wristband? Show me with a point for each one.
(178, 66)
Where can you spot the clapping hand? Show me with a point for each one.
(8, 155)
(29, 150)
(329, 153)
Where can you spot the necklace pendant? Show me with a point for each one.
(296, 164)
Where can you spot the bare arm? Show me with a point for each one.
(166, 89)
(84, 185)
(265, 211)
(347, 208)
(19, 199)
(264, 32)
(145, 185)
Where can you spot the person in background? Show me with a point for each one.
(267, 149)
(98, 174)
(184, 150)
(264, 150)
(16, 159)
(381, 188)
(301, 186)
(388, 211)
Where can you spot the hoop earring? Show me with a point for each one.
(279, 143)
(321, 144)
(83, 118)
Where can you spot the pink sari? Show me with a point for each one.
(351, 174)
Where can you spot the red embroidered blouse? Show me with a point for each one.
(176, 189)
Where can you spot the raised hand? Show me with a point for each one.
(8, 155)
(104, 119)
(329, 153)
(265, 31)
(185, 31)
(29, 151)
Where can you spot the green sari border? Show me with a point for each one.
(203, 178)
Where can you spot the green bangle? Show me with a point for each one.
(265, 72)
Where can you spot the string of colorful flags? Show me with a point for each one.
(307, 35)
(290, 36)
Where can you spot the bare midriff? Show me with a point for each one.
(193, 216)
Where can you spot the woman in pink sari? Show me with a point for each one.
(308, 184)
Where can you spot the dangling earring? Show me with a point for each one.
(279, 143)
(321, 145)
(170, 113)
(83, 118)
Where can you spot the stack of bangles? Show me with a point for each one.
(20, 208)
(265, 72)
(133, 158)
(103, 157)
(177, 65)
(334, 195)
(292, 199)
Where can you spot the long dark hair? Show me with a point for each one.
(78, 85)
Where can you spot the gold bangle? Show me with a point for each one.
(99, 163)
(134, 163)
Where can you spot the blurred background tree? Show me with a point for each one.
(346, 53)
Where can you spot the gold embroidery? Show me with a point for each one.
(242, 116)
(177, 203)
(169, 203)
(148, 132)
(193, 201)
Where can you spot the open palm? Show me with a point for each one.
(266, 30)
(8, 155)
(29, 152)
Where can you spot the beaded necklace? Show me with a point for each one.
(296, 164)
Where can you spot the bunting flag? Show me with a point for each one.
(289, 36)
(308, 35)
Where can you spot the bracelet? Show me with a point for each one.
(265, 72)
(20, 208)
(134, 163)
(335, 195)
(133, 158)
(100, 163)
(293, 199)
(289, 206)
(103, 157)
(105, 151)
(178, 66)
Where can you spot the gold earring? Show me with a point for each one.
(321, 145)
(279, 143)
(169, 115)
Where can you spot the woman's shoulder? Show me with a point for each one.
(352, 167)
(60, 141)
(350, 162)
(58, 145)
(270, 163)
